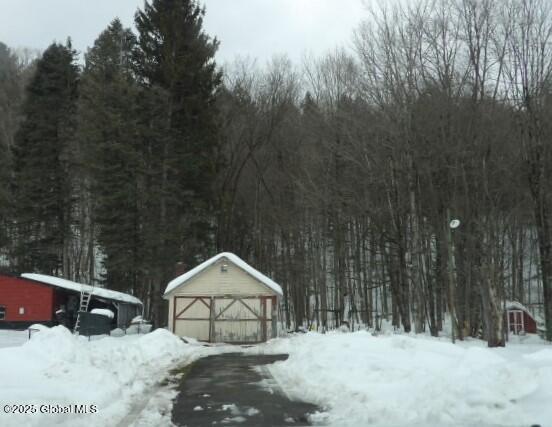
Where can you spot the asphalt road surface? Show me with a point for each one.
(235, 390)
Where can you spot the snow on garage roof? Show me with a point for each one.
(234, 259)
(80, 287)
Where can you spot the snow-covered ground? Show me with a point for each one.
(10, 338)
(119, 376)
(356, 378)
(407, 380)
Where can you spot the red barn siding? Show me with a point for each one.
(37, 300)
(529, 324)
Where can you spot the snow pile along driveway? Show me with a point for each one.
(416, 381)
(10, 338)
(56, 369)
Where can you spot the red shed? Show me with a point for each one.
(24, 302)
(518, 319)
(37, 298)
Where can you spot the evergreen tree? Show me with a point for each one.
(5, 167)
(9, 102)
(9, 94)
(175, 61)
(112, 154)
(43, 156)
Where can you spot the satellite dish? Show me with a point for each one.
(455, 223)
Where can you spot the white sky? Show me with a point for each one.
(255, 28)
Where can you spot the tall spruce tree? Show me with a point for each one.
(43, 158)
(5, 168)
(113, 161)
(175, 61)
(10, 95)
(15, 72)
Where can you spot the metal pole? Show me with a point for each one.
(451, 279)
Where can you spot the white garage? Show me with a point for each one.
(224, 299)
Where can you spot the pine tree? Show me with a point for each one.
(43, 156)
(112, 153)
(175, 61)
(5, 167)
(9, 101)
(12, 77)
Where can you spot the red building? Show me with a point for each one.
(518, 319)
(50, 300)
(24, 302)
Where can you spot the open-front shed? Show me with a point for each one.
(224, 299)
(519, 320)
(39, 298)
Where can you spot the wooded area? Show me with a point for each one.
(338, 178)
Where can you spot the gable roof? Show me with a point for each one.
(234, 259)
(515, 305)
(80, 287)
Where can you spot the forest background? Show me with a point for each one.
(337, 177)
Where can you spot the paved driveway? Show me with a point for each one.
(236, 390)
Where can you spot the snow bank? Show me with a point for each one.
(58, 369)
(415, 381)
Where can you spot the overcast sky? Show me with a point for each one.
(258, 28)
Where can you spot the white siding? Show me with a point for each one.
(213, 281)
(192, 308)
(239, 320)
(171, 314)
(198, 329)
(192, 317)
(238, 332)
(237, 309)
(269, 310)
